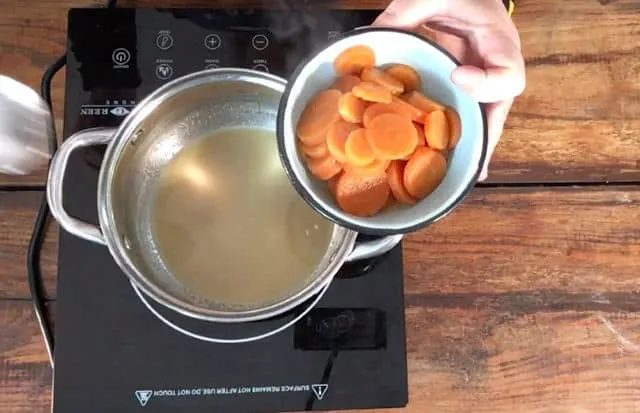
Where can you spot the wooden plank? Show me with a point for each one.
(25, 373)
(557, 244)
(579, 119)
(469, 358)
(17, 215)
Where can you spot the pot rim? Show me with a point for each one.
(124, 133)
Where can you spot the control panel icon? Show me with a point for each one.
(164, 71)
(121, 57)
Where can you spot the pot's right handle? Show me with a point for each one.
(89, 137)
(374, 248)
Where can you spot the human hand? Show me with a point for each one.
(482, 36)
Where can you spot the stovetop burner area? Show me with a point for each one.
(112, 353)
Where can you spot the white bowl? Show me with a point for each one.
(435, 66)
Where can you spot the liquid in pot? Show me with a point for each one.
(230, 226)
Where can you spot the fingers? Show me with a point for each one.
(492, 84)
(496, 117)
(408, 14)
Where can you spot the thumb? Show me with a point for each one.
(407, 14)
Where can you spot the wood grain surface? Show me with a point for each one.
(524, 299)
(578, 120)
(466, 358)
(509, 241)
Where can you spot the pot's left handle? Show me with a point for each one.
(89, 137)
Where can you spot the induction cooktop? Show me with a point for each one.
(116, 350)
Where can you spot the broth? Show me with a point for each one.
(229, 224)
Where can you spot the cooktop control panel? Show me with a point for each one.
(143, 49)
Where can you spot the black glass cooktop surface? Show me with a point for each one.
(112, 353)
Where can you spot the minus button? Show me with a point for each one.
(260, 42)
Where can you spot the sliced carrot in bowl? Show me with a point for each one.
(392, 136)
(362, 195)
(424, 172)
(320, 113)
(353, 60)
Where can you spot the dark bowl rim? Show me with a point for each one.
(284, 100)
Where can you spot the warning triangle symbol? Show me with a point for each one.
(143, 396)
(319, 390)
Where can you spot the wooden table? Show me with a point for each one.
(527, 298)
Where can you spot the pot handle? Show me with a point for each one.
(370, 249)
(89, 137)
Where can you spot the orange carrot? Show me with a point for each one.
(320, 113)
(324, 168)
(436, 130)
(395, 175)
(362, 196)
(422, 141)
(345, 83)
(392, 136)
(374, 110)
(316, 151)
(407, 75)
(416, 114)
(424, 172)
(377, 76)
(351, 61)
(374, 168)
(337, 137)
(357, 148)
(372, 92)
(455, 126)
(331, 183)
(351, 108)
(420, 101)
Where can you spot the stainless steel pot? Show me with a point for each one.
(180, 112)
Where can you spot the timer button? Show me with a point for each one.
(260, 42)
(164, 41)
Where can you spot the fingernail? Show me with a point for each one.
(483, 175)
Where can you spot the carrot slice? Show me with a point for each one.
(436, 130)
(324, 168)
(415, 113)
(362, 196)
(397, 106)
(372, 92)
(420, 101)
(374, 168)
(377, 76)
(424, 172)
(351, 61)
(320, 113)
(374, 110)
(316, 151)
(345, 83)
(351, 108)
(455, 126)
(337, 137)
(392, 136)
(331, 183)
(395, 175)
(357, 148)
(422, 140)
(406, 74)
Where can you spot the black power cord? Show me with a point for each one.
(39, 227)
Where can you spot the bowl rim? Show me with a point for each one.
(336, 218)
